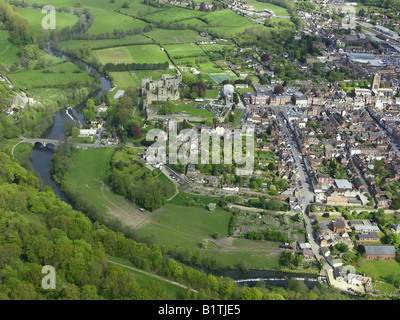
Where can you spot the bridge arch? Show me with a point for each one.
(50, 145)
(39, 144)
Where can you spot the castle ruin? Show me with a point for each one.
(164, 89)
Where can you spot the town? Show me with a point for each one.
(314, 85)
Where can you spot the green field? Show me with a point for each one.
(107, 21)
(90, 166)
(62, 75)
(183, 227)
(137, 8)
(174, 14)
(184, 50)
(194, 22)
(106, 43)
(8, 52)
(123, 80)
(228, 23)
(279, 11)
(147, 54)
(379, 269)
(35, 17)
(164, 36)
(114, 55)
(132, 54)
(188, 109)
(226, 75)
(106, 18)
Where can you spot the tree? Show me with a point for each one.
(168, 108)
(279, 89)
(24, 291)
(211, 206)
(135, 131)
(265, 57)
(342, 247)
(75, 131)
(393, 239)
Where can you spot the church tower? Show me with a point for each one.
(376, 81)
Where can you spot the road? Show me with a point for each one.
(306, 196)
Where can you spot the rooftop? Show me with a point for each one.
(380, 250)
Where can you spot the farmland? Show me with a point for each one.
(174, 14)
(165, 36)
(35, 16)
(227, 23)
(106, 43)
(61, 74)
(184, 50)
(278, 11)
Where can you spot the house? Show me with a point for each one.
(381, 252)
(355, 279)
(335, 263)
(343, 184)
(366, 229)
(338, 226)
(353, 223)
(88, 132)
(303, 246)
(308, 254)
(371, 236)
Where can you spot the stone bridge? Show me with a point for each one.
(52, 143)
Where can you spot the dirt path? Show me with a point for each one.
(153, 276)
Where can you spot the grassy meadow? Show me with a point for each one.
(185, 228)
(35, 17)
(278, 11)
(132, 54)
(174, 14)
(174, 225)
(61, 74)
(8, 52)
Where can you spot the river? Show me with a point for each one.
(270, 277)
(41, 157)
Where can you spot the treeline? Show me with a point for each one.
(13, 21)
(270, 235)
(273, 204)
(136, 66)
(39, 229)
(392, 4)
